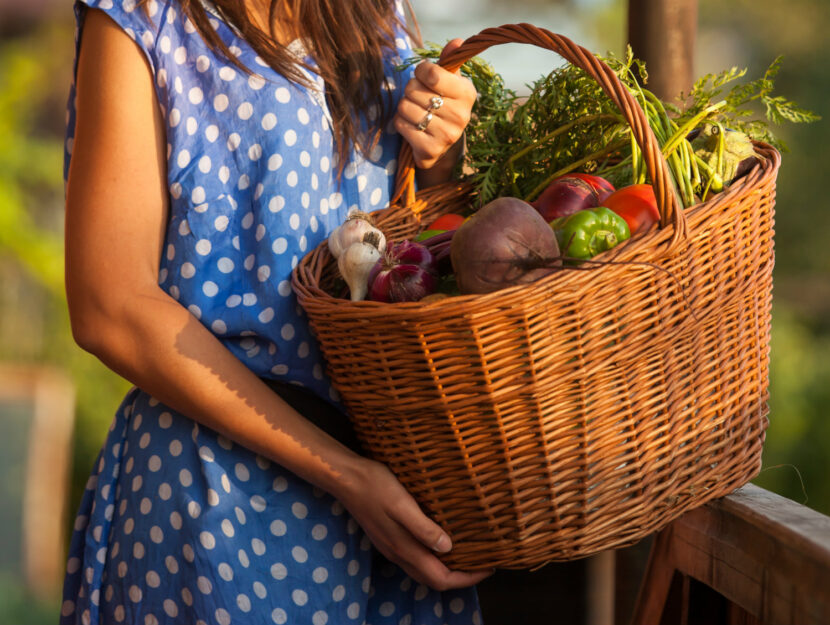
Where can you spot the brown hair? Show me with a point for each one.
(348, 41)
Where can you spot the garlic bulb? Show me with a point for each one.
(352, 231)
(357, 262)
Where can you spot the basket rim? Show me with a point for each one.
(644, 248)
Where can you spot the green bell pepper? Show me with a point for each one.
(427, 234)
(586, 233)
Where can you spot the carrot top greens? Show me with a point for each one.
(517, 145)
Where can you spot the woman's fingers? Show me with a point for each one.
(421, 564)
(431, 572)
(398, 545)
(418, 100)
(461, 579)
(437, 128)
(440, 79)
(457, 94)
(432, 538)
(408, 513)
(444, 83)
(437, 134)
(427, 150)
(450, 46)
(426, 568)
(400, 530)
(433, 126)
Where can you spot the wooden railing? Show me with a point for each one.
(750, 558)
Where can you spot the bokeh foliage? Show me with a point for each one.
(34, 325)
(797, 449)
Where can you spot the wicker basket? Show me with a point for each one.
(586, 410)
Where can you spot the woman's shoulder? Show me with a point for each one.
(157, 26)
(134, 16)
(139, 20)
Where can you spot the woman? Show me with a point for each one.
(209, 147)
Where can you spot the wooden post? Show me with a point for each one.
(662, 33)
(49, 397)
(599, 592)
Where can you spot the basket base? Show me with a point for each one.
(547, 547)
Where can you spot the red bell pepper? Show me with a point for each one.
(637, 205)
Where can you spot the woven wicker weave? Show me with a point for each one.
(588, 409)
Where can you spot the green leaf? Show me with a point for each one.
(514, 146)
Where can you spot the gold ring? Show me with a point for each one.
(422, 125)
(435, 103)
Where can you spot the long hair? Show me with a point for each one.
(347, 39)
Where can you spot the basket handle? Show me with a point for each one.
(633, 113)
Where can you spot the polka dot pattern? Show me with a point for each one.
(271, 544)
(262, 143)
(180, 525)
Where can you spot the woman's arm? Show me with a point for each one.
(438, 147)
(117, 208)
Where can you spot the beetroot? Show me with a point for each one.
(503, 244)
(571, 193)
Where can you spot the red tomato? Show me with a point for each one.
(637, 205)
(450, 221)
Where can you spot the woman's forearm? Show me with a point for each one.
(154, 342)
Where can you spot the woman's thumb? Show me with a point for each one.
(428, 532)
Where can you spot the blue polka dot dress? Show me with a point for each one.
(178, 524)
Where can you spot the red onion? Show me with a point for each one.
(602, 187)
(405, 273)
(571, 193)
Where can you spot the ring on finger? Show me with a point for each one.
(435, 103)
(422, 125)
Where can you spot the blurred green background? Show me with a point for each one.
(36, 53)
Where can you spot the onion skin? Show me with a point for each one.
(402, 283)
(504, 244)
(405, 273)
(599, 184)
(572, 193)
(410, 253)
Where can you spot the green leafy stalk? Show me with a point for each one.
(567, 123)
(682, 132)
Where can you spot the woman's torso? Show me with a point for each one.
(253, 186)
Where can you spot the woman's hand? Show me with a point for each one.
(432, 116)
(399, 529)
